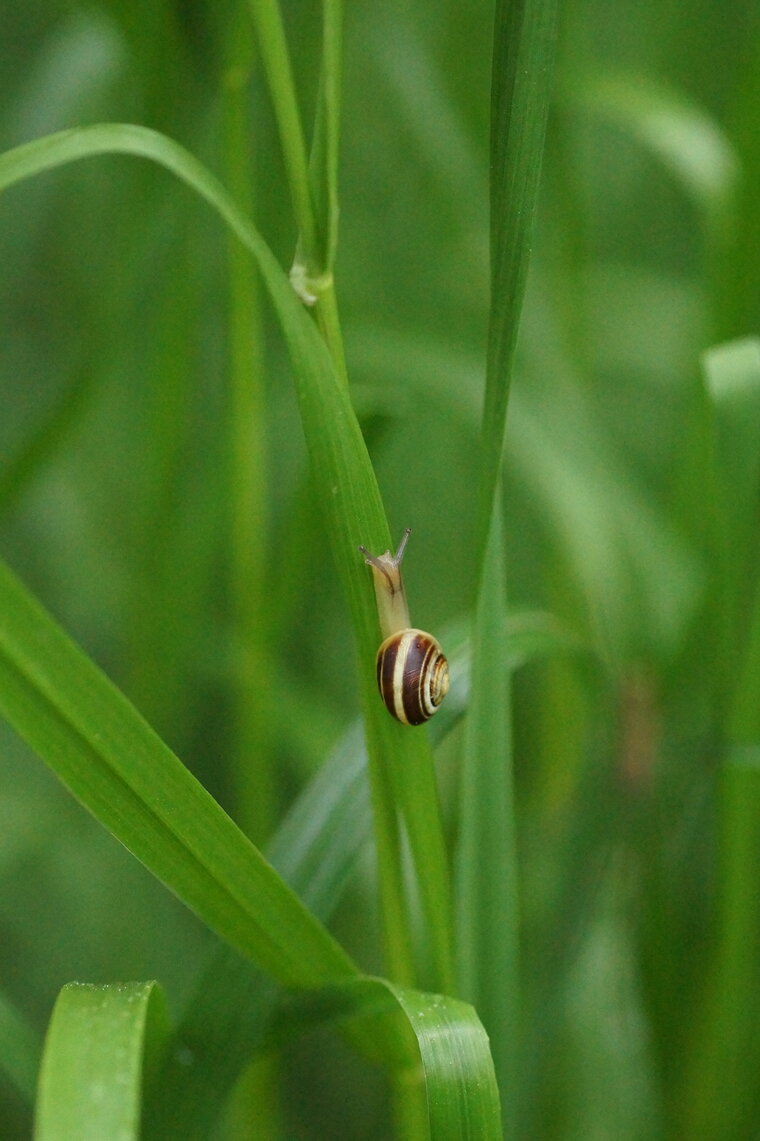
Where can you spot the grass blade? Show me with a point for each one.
(727, 1042)
(99, 1042)
(523, 59)
(488, 914)
(447, 1050)
(487, 904)
(276, 60)
(103, 751)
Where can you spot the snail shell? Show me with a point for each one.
(412, 675)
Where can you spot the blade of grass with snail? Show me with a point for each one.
(396, 782)
(353, 513)
(103, 750)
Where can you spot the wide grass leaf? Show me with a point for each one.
(110, 758)
(99, 1044)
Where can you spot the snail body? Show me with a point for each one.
(412, 671)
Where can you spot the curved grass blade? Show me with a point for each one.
(110, 758)
(447, 1050)
(401, 769)
(100, 1043)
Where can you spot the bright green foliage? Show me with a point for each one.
(101, 1041)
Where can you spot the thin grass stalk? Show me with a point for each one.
(275, 57)
(256, 1100)
(251, 714)
(523, 55)
(277, 64)
(487, 879)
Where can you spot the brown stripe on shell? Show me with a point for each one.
(386, 665)
(419, 652)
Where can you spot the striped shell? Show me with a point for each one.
(412, 675)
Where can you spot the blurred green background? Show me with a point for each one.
(114, 501)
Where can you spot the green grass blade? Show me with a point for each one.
(727, 1038)
(106, 754)
(462, 1092)
(523, 59)
(447, 1050)
(486, 871)
(732, 379)
(401, 762)
(275, 57)
(100, 1041)
(20, 1050)
(487, 911)
(253, 707)
(323, 160)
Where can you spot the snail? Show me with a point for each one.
(412, 672)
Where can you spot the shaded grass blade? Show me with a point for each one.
(323, 161)
(20, 1050)
(99, 1042)
(253, 705)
